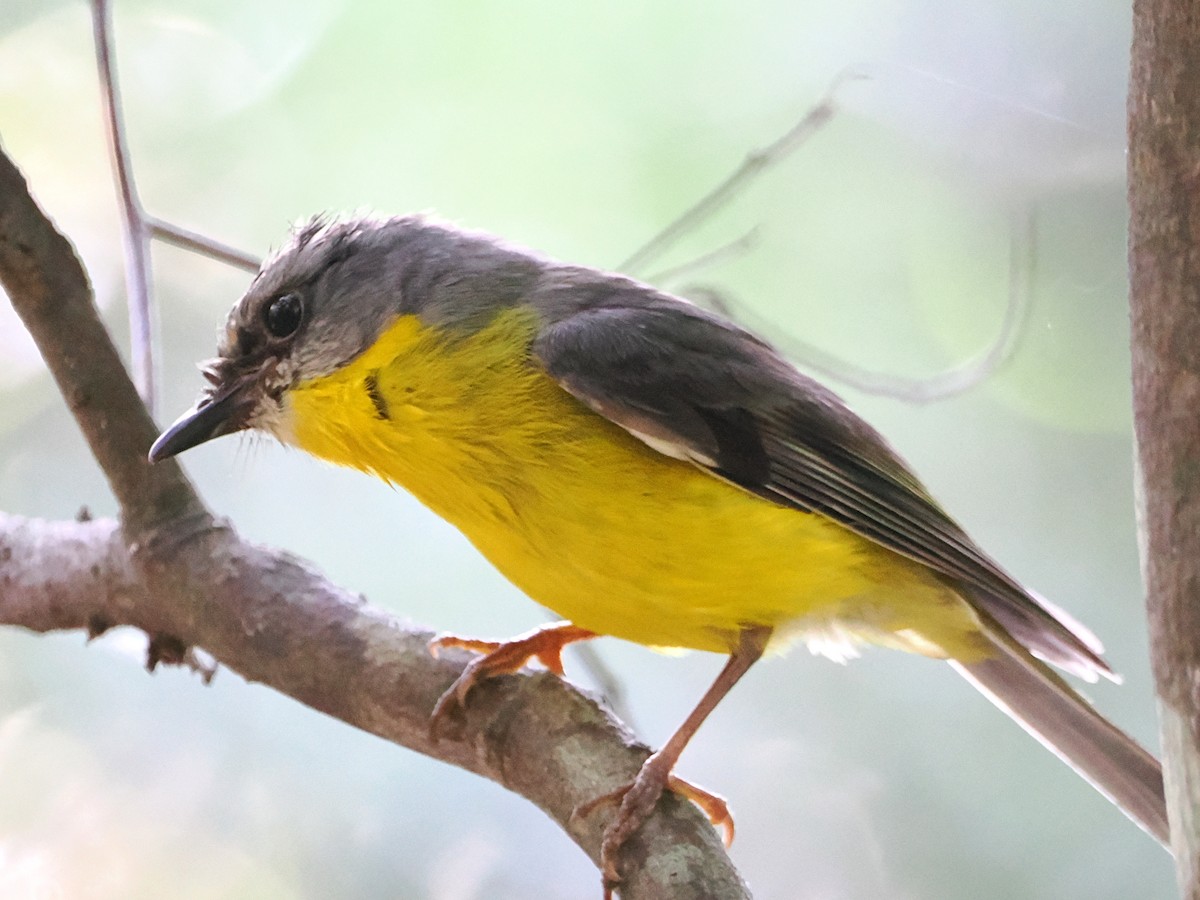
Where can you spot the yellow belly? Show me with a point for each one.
(592, 523)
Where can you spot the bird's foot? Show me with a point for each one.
(637, 800)
(544, 644)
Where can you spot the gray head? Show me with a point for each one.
(325, 297)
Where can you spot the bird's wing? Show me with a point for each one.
(696, 387)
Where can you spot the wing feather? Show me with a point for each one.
(697, 387)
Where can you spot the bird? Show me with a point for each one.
(645, 469)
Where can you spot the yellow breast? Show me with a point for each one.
(588, 520)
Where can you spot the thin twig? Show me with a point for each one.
(133, 216)
(726, 252)
(187, 239)
(951, 382)
(887, 72)
(755, 164)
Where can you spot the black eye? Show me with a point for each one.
(282, 315)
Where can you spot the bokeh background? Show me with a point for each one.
(580, 129)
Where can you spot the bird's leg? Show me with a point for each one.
(501, 658)
(638, 798)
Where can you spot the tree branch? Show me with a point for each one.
(170, 569)
(1164, 201)
(943, 385)
(49, 290)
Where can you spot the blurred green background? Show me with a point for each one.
(580, 129)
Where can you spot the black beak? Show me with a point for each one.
(224, 412)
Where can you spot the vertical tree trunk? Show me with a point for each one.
(1164, 259)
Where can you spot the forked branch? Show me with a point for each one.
(171, 570)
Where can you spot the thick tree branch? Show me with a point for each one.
(1164, 236)
(277, 622)
(170, 569)
(50, 292)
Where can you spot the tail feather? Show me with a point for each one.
(1049, 709)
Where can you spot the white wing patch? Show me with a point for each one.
(670, 448)
(629, 420)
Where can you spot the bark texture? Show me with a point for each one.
(169, 568)
(1164, 259)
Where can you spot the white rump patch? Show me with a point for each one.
(842, 642)
(832, 640)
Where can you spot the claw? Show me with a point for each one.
(461, 643)
(500, 658)
(714, 806)
(638, 798)
(637, 801)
